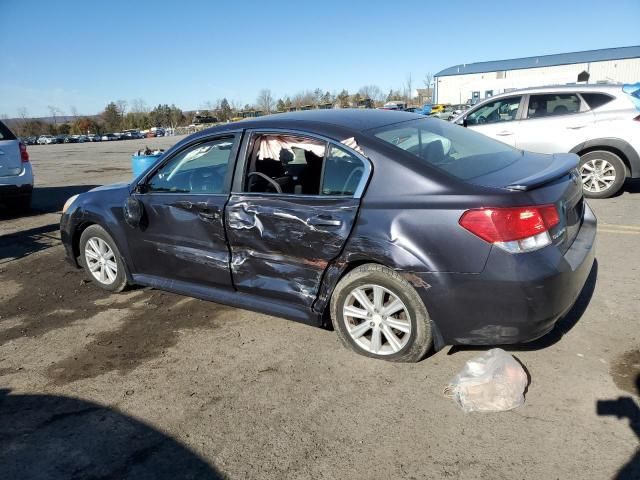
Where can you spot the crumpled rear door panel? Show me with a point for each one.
(281, 244)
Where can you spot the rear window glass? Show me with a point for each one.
(552, 104)
(595, 100)
(5, 133)
(455, 150)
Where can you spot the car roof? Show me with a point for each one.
(351, 120)
(609, 88)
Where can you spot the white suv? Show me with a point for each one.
(16, 175)
(600, 123)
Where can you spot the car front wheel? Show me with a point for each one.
(101, 260)
(603, 174)
(377, 313)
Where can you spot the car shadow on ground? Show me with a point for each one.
(625, 408)
(51, 436)
(22, 243)
(561, 328)
(630, 186)
(46, 200)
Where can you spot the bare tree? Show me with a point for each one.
(122, 106)
(138, 105)
(23, 113)
(428, 77)
(371, 91)
(54, 112)
(74, 111)
(409, 87)
(265, 100)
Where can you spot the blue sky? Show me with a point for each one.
(83, 54)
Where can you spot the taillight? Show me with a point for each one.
(516, 230)
(24, 155)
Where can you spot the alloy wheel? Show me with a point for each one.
(597, 175)
(101, 260)
(377, 320)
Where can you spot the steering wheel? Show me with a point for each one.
(353, 172)
(275, 184)
(481, 119)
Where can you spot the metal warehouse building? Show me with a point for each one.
(476, 81)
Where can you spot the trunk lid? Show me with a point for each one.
(10, 158)
(545, 179)
(529, 171)
(10, 161)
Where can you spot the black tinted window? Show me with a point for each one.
(5, 133)
(595, 100)
(455, 150)
(342, 173)
(198, 169)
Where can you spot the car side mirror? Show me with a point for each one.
(133, 211)
(465, 123)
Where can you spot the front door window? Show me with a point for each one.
(503, 110)
(199, 169)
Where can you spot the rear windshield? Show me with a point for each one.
(455, 150)
(5, 133)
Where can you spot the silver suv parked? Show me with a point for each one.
(600, 123)
(16, 175)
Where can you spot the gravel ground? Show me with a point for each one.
(148, 384)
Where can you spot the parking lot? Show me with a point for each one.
(148, 378)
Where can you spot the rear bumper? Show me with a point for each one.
(517, 298)
(22, 184)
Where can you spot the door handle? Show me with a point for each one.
(184, 204)
(207, 212)
(504, 133)
(576, 127)
(324, 221)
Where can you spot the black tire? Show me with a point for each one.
(120, 281)
(420, 338)
(618, 165)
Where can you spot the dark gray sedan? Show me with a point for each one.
(402, 232)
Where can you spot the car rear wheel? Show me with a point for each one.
(377, 313)
(101, 260)
(603, 174)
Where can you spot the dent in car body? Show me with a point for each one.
(279, 245)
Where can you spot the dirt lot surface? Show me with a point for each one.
(148, 384)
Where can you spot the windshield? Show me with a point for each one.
(455, 150)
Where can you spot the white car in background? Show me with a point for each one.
(600, 123)
(46, 139)
(16, 175)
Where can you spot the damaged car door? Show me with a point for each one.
(294, 202)
(181, 235)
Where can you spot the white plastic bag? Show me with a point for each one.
(491, 382)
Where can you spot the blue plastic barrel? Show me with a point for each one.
(140, 163)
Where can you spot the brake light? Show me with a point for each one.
(24, 155)
(516, 230)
